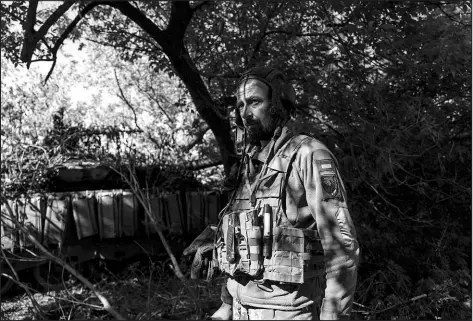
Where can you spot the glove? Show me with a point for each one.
(202, 266)
(202, 246)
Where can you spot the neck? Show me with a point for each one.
(264, 143)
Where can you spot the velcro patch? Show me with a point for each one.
(325, 165)
(329, 178)
(331, 187)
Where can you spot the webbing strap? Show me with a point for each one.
(297, 140)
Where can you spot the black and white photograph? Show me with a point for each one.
(236, 160)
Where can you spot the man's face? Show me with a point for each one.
(254, 105)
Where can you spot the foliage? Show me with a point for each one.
(140, 291)
(48, 125)
(387, 85)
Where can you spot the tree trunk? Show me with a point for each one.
(171, 41)
(207, 108)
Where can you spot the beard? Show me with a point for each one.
(258, 131)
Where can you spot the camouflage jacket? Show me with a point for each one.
(314, 198)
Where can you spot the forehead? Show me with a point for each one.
(252, 87)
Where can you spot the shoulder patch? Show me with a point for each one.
(329, 179)
(325, 165)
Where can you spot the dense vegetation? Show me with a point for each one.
(387, 85)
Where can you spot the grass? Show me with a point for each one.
(138, 291)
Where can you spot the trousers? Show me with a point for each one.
(241, 312)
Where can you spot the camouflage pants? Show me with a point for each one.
(241, 312)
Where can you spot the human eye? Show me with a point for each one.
(255, 101)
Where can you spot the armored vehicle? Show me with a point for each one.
(89, 213)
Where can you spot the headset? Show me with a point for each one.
(281, 93)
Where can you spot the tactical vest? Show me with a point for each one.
(296, 254)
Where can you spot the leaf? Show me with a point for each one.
(387, 26)
(351, 28)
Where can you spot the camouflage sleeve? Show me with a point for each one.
(327, 201)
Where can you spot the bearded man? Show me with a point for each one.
(285, 239)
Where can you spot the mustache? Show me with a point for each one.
(250, 122)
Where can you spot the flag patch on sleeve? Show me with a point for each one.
(330, 183)
(325, 165)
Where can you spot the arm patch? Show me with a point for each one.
(330, 183)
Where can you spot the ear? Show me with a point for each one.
(288, 93)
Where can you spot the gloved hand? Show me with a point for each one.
(202, 265)
(202, 246)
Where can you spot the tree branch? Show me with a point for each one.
(74, 23)
(15, 17)
(301, 108)
(122, 96)
(451, 16)
(31, 38)
(202, 164)
(197, 138)
(66, 33)
(17, 281)
(143, 21)
(298, 34)
(53, 18)
(181, 15)
(143, 198)
(392, 306)
(263, 33)
(154, 98)
(28, 27)
(56, 259)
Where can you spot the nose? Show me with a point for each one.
(244, 112)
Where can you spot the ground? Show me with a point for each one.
(137, 293)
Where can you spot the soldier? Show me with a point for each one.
(286, 239)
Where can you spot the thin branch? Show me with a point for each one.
(451, 16)
(122, 96)
(53, 18)
(395, 305)
(263, 32)
(69, 268)
(197, 138)
(198, 165)
(298, 34)
(15, 17)
(226, 75)
(154, 98)
(300, 108)
(384, 199)
(16, 279)
(134, 185)
(51, 69)
(143, 21)
(106, 44)
(66, 33)
(30, 37)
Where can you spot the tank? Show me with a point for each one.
(88, 214)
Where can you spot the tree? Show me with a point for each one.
(208, 44)
(386, 84)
